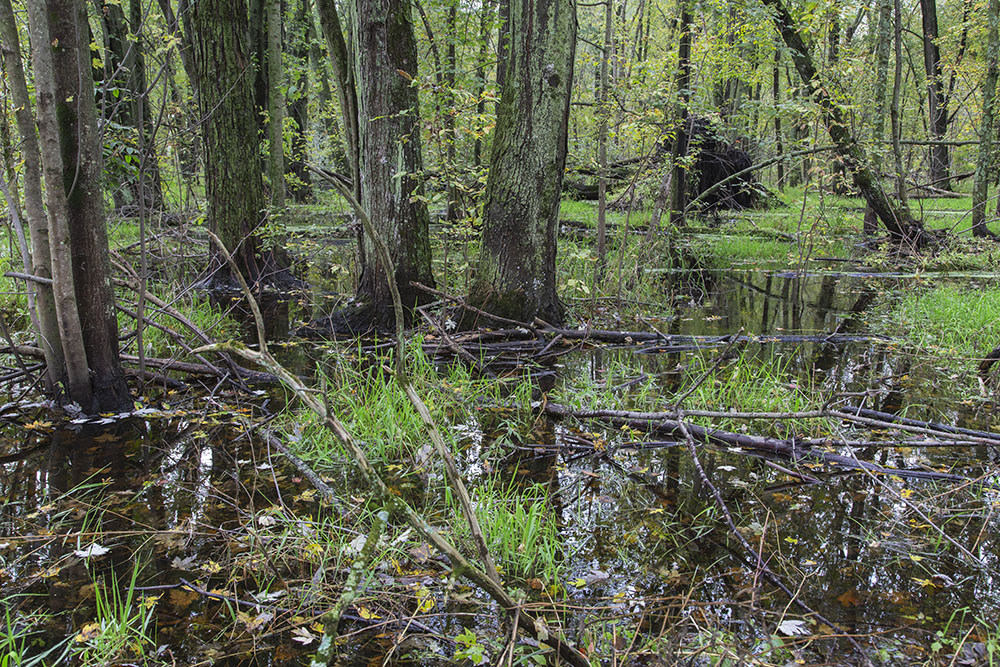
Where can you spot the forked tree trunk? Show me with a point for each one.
(516, 276)
(389, 146)
(71, 159)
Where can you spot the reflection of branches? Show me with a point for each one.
(488, 580)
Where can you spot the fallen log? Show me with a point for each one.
(790, 449)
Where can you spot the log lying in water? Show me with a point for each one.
(790, 449)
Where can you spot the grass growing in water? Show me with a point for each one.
(948, 319)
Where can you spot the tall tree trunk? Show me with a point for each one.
(275, 106)
(391, 161)
(151, 196)
(678, 179)
(71, 158)
(776, 97)
(300, 39)
(38, 230)
(894, 112)
(987, 129)
(602, 142)
(347, 93)
(454, 210)
(883, 40)
(234, 186)
(516, 276)
(896, 217)
(937, 102)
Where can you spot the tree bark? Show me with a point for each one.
(234, 185)
(390, 150)
(347, 94)
(275, 106)
(516, 277)
(602, 143)
(71, 159)
(987, 129)
(38, 230)
(937, 101)
(678, 179)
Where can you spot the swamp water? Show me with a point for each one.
(229, 545)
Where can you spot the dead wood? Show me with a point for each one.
(791, 449)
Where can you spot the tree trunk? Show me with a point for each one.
(300, 40)
(71, 158)
(275, 106)
(894, 112)
(897, 218)
(602, 143)
(347, 94)
(234, 186)
(516, 276)
(389, 146)
(776, 97)
(987, 130)
(937, 102)
(678, 179)
(38, 230)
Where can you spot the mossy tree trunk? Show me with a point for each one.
(234, 185)
(516, 276)
(38, 228)
(72, 164)
(987, 128)
(390, 153)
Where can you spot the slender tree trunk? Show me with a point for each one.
(883, 41)
(896, 217)
(391, 161)
(937, 102)
(347, 93)
(987, 129)
(38, 230)
(516, 276)
(300, 39)
(602, 142)
(485, 20)
(454, 210)
(678, 179)
(776, 95)
(151, 196)
(275, 105)
(895, 115)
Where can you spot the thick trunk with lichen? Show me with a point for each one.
(234, 186)
(389, 146)
(516, 276)
(987, 129)
(896, 218)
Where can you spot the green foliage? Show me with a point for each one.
(951, 320)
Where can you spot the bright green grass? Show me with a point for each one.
(725, 251)
(949, 319)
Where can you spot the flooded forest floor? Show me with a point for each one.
(790, 457)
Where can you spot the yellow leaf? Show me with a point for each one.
(364, 613)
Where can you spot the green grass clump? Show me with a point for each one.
(948, 319)
(726, 251)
